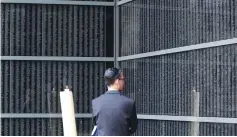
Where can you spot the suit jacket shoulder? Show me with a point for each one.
(120, 98)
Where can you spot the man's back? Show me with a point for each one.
(114, 114)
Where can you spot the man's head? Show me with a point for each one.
(114, 79)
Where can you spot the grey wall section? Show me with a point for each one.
(41, 127)
(30, 86)
(174, 128)
(215, 129)
(54, 30)
(163, 85)
(148, 23)
(162, 128)
(33, 86)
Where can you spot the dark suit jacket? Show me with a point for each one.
(114, 114)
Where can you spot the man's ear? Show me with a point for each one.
(116, 81)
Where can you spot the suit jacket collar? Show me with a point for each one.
(113, 92)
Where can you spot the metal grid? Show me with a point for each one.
(54, 30)
(163, 85)
(180, 49)
(33, 86)
(214, 129)
(138, 10)
(173, 50)
(163, 128)
(172, 23)
(41, 127)
(64, 2)
(44, 48)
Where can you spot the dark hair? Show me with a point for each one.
(111, 74)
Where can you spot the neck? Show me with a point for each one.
(112, 88)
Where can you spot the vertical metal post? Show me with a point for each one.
(195, 125)
(116, 33)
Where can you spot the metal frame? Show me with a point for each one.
(194, 119)
(53, 58)
(140, 116)
(189, 118)
(116, 33)
(123, 2)
(116, 60)
(61, 2)
(41, 115)
(180, 49)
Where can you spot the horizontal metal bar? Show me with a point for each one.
(42, 115)
(140, 116)
(53, 58)
(180, 49)
(189, 118)
(123, 2)
(61, 2)
(188, 62)
(178, 9)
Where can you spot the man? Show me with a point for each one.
(113, 113)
